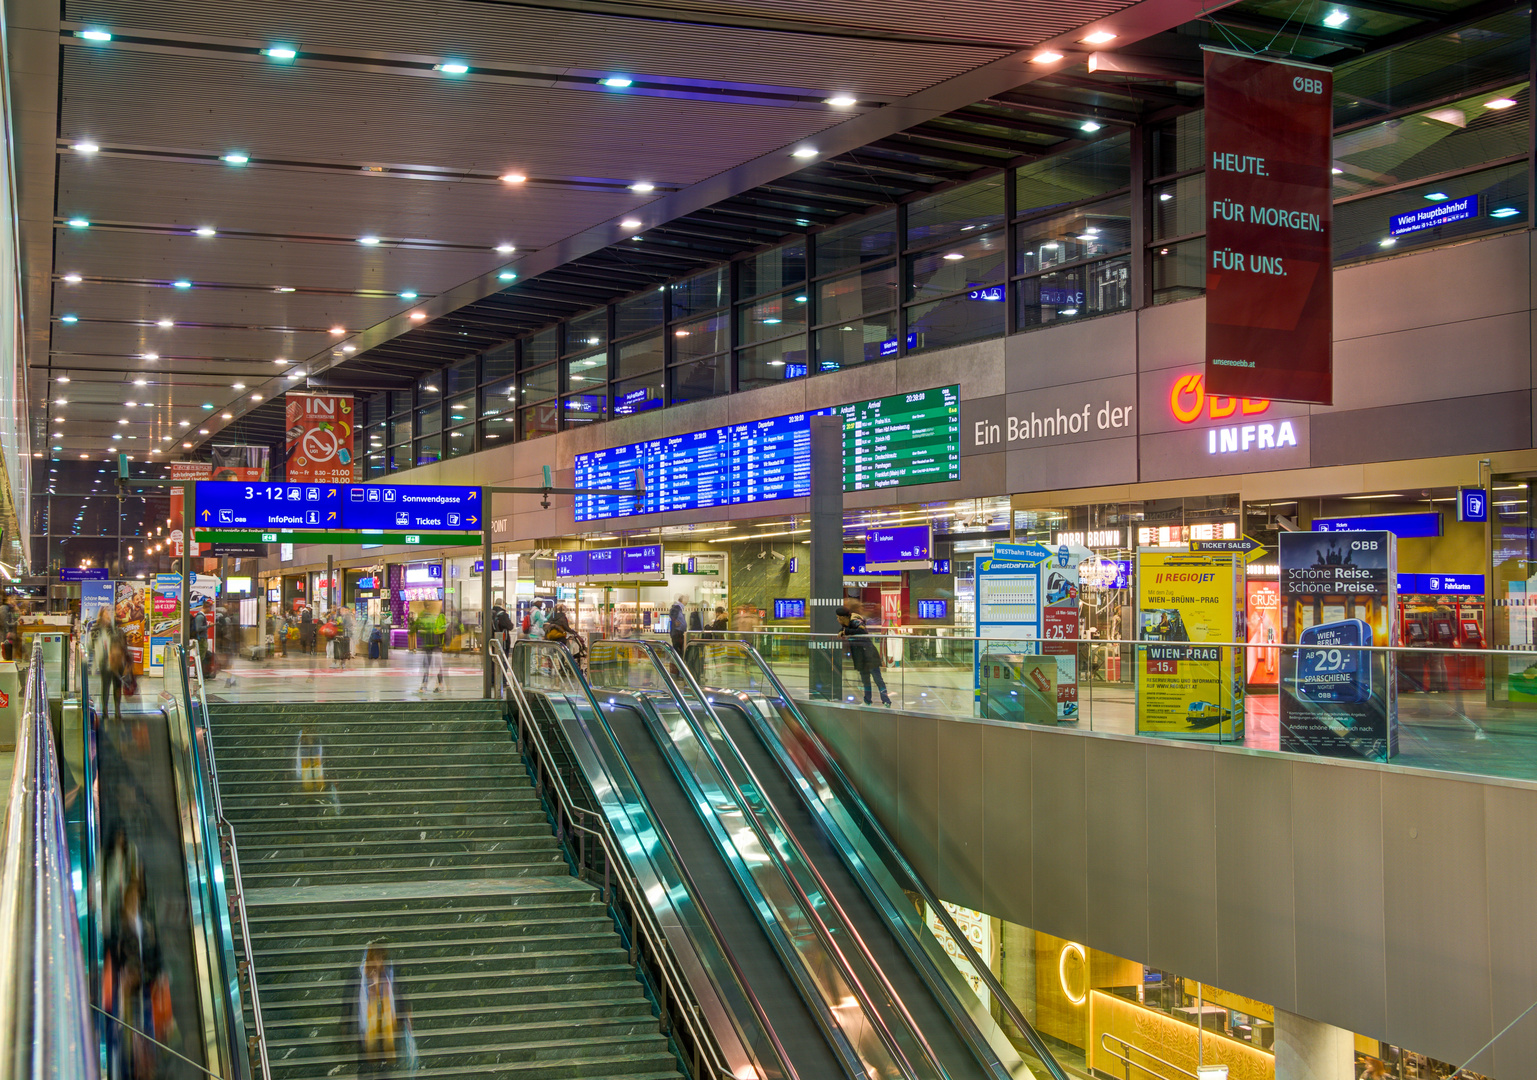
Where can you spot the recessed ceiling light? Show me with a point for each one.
(62, 379)
(1336, 19)
(281, 360)
(165, 438)
(841, 101)
(149, 356)
(630, 223)
(1047, 57)
(130, 404)
(237, 386)
(93, 35)
(1499, 103)
(202, 431)
(228, 415)
(182, 284)
(284, 288)
(280, 52)
(408, 295)
(122, 420)
(165, 324)
(417, 316)
(1387, 242)
(1088, 125)
(368, 241)
(618, 82)
(73, 279)
(141, 382)
(1336, 170)
(235, 157)
(430, 388)
(804, 152)
(952, 256)
(505, 249)
(84, 456)
(85, 148)
(78, 223)
(208, 405)
(1437, 196)
(453, 67)
(185, 423)
(69, 318)
(507, 275)
(349, 348)
(337, 330)
(1504, 212)
(1099, 37)
(642, 186)
(37, 453)
(513, 178)
(256, 397)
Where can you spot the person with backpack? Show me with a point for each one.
(537, 621)
(224, 634)
(198, 637)
(862, 650)
(501, 626)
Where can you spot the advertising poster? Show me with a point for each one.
(319, 430)
(1264, 624)
(94, 596)
(182, 470)
(1188, 685)
(240, 462)
(1269, 274)
(131, 615)
(1338, 595)
(164, 618)
(1028, 603)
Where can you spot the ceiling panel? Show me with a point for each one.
(524, 37)
(217, 343)
(224, 307)
(306, 114)
(301, 202)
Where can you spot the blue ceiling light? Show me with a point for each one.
(181, 283)
(69, 318)
(617, 82)
(93, 35)
(506, 275)
(1336, 19)
(452, 67)
(1437, 196)
(408, 295)
(280, 52)
(235, 157)
(1504, 212)
(78, 223)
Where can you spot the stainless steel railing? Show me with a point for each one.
(45, 1024)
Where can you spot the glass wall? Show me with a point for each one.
(1103, 227)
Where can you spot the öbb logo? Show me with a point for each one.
(1189, 396)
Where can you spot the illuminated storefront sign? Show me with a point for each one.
(1189, 402)
(1167, 535)
(1094, 538)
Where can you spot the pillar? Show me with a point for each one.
(1309, 1050)
(826, 545)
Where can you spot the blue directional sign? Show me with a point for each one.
(1472, 505)
(85, 573)
(428, 507)
(1426, 523)
(231, 504)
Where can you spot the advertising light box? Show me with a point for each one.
(907, 548)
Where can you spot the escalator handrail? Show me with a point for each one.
(651, 932)
(191, 659)
(913, 881)
(661, 661)
(45, 1022)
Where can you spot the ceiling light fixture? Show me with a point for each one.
(1047, 57)
(630, 223)
(618, 82)
(280, 52)
(952, 256)
(78, 223)
(1336, 170)
(368, 241)
(237, 386)
(149, 356)
(165, 324)
(506, 275)
(1504, 212)
(93, 35)
(284, 288)
(141, 382)
(1437, 196)
(642, 186)
(804, 152)
(69, 318)
(62, 379)
(1387, 242)
(505, 249)
(408, 295)
(185, 423)
(453, 67)
(842, 101)
(280, 360)
(1088, 125)
(513, 178)
(72, 279)
(122, 420)
(1499, 103)
(418, 316)
(337, 330)
(349, 348)
(1099, 37)
(206, 231)
(1336, 19)
(181, 284)
(228, 415)
(235, 157)
(256, 397)
(85, 148)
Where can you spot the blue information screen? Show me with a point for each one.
(887, 442)
(231, 504)
(609, 562)
(789, 609)
(933, 609)
(389, 508)
(571, 564)
(907, 544)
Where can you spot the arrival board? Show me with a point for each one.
(887, 442)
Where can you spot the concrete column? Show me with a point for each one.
(826, 543)
(1309, 1050)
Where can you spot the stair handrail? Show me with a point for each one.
(227, 838)
(957, 935)
(45, 1023)
(642, 916)
(1145, 1053)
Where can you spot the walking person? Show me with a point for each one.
(693, 654)
(307, 631)
(677, 625)
(429, 638)
(862, 650)
(225, 632)
(111, 651)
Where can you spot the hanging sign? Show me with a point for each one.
(1269, 270)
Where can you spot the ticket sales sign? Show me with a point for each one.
(1269, 280)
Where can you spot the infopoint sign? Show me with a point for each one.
(1189, 403)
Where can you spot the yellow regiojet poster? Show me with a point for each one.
(1188, 684)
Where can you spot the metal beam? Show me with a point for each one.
(907, 142)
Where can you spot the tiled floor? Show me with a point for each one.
(314, 678)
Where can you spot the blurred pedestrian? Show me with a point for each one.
(862, 650)
(430, 627)
(386, 1043)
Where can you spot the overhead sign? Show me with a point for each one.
(435, 506)
(1400, 525)
(320, 429)
(854, 567)
(1441, 584)
(1270, 211)
(1472, 505)
(1243, 545)
(614, 564)
(1429, 217)
(87, 573)
(226, 506)
(904, 548)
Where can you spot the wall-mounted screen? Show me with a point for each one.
(933, 609)
(789, 609)
(887, 442)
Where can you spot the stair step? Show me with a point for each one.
(342, 982)
(464, 772)
(559, 1012)
(296, 878)
(341, 831)
(287, 742)
(335, 1002)
(372, 924)
(660, 1066)
(434, 1037)
(344, 847)
(283, 860)
(410, 950)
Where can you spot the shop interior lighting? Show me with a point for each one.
(1336, 19)
(206, 230)
(1088, 125)
(642, 187)
(617, 82)
(1499, 103)
(1504, 212)
(280, 52)
(842, 101)
(78, 223)
(69, 318)
(513, 178)
(1047, 57)
(804, 152)
(93, 35)
(1437, 196)
(1099, 37)
(235, 157)
(452, 67)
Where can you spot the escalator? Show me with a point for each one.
(811, 902)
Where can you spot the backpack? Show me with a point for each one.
(528, 623)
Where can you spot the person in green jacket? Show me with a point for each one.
(430, 627)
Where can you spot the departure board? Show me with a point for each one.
(887, 442)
